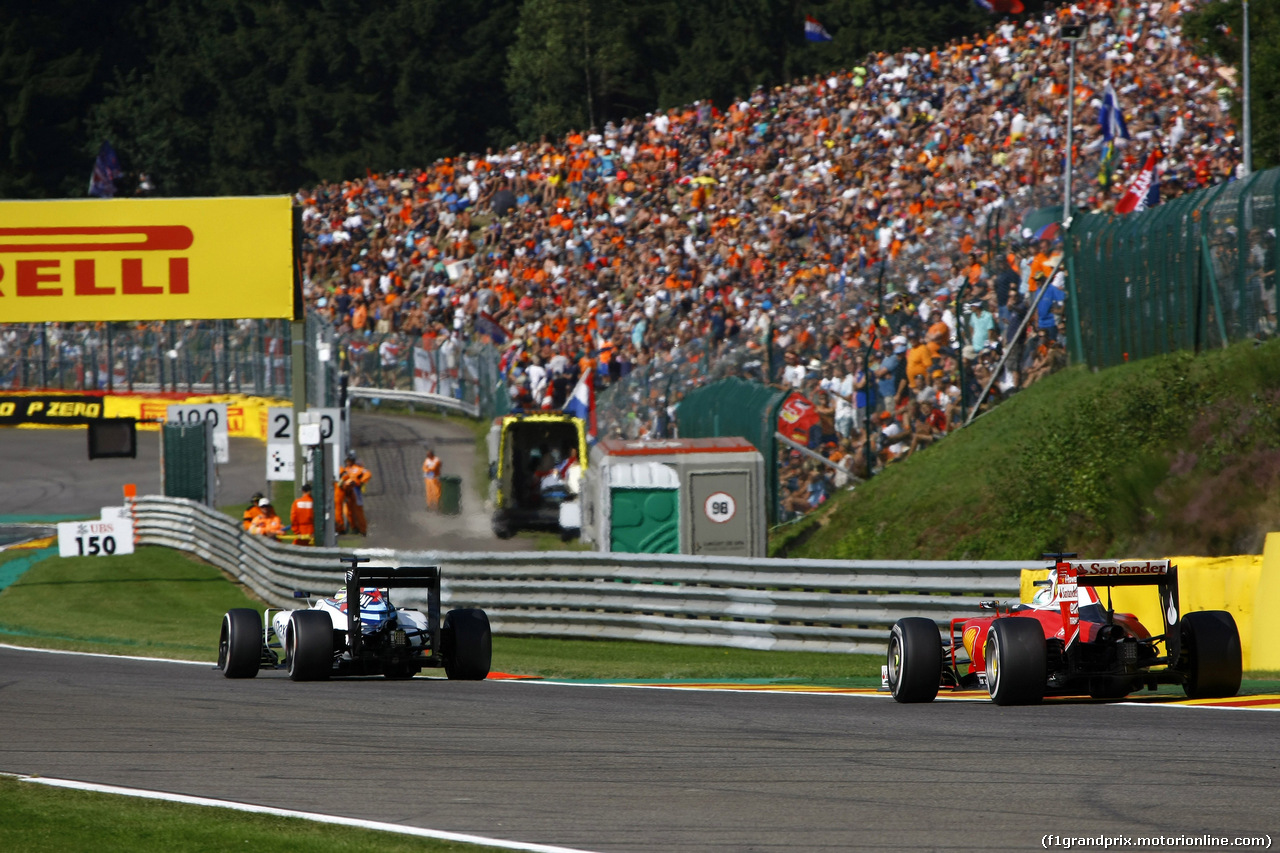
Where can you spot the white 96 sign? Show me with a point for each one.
(720, 507)
(95, 538)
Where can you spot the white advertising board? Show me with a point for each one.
(100, 538)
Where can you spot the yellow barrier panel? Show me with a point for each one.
(1266, 629)
(1233, 584)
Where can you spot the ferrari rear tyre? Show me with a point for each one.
(1017, 661)
(466, 644)
(1210, 655)
(310, 645)
(240, 646)
(914, 659)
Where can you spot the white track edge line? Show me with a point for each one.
(358, 823)
(102, 655)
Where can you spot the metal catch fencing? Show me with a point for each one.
(782, 605)
(1192, 273)
(244, 357)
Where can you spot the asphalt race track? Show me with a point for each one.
(624, 769)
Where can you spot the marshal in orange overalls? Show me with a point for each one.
(431, 480)
(351, 483)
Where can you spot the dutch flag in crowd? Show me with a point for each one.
(1111, 116)
(814, 31)
(582, 402)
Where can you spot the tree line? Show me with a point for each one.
(215, 97)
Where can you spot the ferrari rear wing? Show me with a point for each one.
(1121, 572)
(358, 577)
(1067, 574)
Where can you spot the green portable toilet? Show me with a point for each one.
(675, 496)
(644, 502)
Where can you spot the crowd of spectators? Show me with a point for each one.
(861, 237)
(858, 236)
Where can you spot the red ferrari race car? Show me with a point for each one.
(1068, 642)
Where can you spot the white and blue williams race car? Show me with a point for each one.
(359, 632)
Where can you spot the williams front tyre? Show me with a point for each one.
(240, 646)
(1017, 661)
(466, 644)
(914, 659)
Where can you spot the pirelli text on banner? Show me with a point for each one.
(146, 259)
(60, 409)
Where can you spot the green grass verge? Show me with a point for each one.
(156, 602)
(40, 819)
(163, 603)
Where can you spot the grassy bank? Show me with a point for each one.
(1178, 455)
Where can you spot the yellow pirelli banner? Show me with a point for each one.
(146, 259)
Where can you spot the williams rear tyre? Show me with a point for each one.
(502, 528)
(1017, 661)
(466, 644)
(310, 645)
(914, 659)
(240, 646)
(1210, 656)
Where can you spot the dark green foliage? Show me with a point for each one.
(256, 96)
(1218, 27)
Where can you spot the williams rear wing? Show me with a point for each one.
(425, 577)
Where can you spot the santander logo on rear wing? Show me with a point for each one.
(1118, 568)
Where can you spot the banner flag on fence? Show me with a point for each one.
(1144, 190)
(426, 377)
(814, 31)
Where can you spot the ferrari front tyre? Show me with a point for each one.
(240, 646)
(466, 644)
(1210, 656)
(1017, 661)
(310, 645)
(914, 659)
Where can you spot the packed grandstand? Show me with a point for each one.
(869, 238)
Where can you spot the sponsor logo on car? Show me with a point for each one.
(1120, 568)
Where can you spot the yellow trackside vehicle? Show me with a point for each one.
(536, 462)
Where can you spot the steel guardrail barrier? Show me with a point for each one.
(774, 604)
(471, 410)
